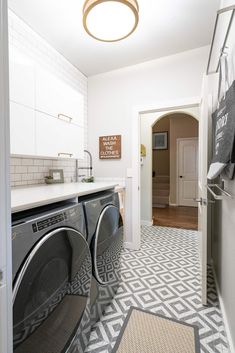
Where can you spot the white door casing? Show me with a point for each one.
(133, 174)
(5, 208)
(187, 171)
(206, 110)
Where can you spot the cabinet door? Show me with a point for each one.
(47, 93)
(71, 140)
(46, 139)
(54, 97)
(73, 105)
(22, 79)
(22, 128)
(57, 138)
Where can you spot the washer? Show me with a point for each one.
(105, 237)
(52, 272)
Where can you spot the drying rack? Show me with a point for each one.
(219, 13)
(222, 193)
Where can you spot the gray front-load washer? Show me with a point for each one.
(52, 272)
(105, 237)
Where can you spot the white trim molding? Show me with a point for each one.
(146, 223)
(135, 170)
(129, 245)
(223, 311)
(5, 205)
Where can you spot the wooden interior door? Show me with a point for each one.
(187, 151)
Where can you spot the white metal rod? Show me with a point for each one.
(221, 11)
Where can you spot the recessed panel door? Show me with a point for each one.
(187, 171)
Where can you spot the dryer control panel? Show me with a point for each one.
(48, 222)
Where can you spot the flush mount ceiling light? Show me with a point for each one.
(110, 20)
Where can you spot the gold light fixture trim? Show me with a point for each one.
(89, 5)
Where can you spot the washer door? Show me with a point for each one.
(107, 245)
(51, 293)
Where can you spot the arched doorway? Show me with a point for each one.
(160, 186)
(175, 171)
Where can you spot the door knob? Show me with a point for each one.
(181, 176)
(198, 200)
(203, 201)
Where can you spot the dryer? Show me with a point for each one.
(52, 272)
(105, 238)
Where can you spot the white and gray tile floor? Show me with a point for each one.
(163, 277)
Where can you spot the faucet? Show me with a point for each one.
(90, 168)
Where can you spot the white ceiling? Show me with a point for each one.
(166, 27)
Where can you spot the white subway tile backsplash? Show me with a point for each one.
(16, 161)
(38, 162)
(27, 177)
(20, 169)
(31, 171)
(43, 170)
(16, 177)
(19, 183)
(47, 162)
(26, 161)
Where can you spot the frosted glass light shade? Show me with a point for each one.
(110, 20)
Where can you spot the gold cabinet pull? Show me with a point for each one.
(65, 117)
(61, 154)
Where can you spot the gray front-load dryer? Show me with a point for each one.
(52, 272)
(105, 237)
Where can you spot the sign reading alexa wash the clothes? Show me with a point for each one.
(110, 147)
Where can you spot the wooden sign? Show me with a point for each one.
(110, 147)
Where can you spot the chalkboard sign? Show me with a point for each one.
(110, 147)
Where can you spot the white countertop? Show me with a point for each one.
(31, 197)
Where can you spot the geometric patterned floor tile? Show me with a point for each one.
(163, 277)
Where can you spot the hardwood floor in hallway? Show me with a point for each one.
(176, 217)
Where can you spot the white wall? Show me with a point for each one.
(147, 121)
(223, 237)
(113, 95)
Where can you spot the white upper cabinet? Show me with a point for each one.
(22, 79)
(54, 97)
(22, 125)
(57, 138)
(46, 115)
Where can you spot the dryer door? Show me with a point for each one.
(51, 293)
(107, 245)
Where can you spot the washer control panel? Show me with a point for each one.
(48, 222)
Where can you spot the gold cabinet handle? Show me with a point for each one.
(65, 117)
(61, 154)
